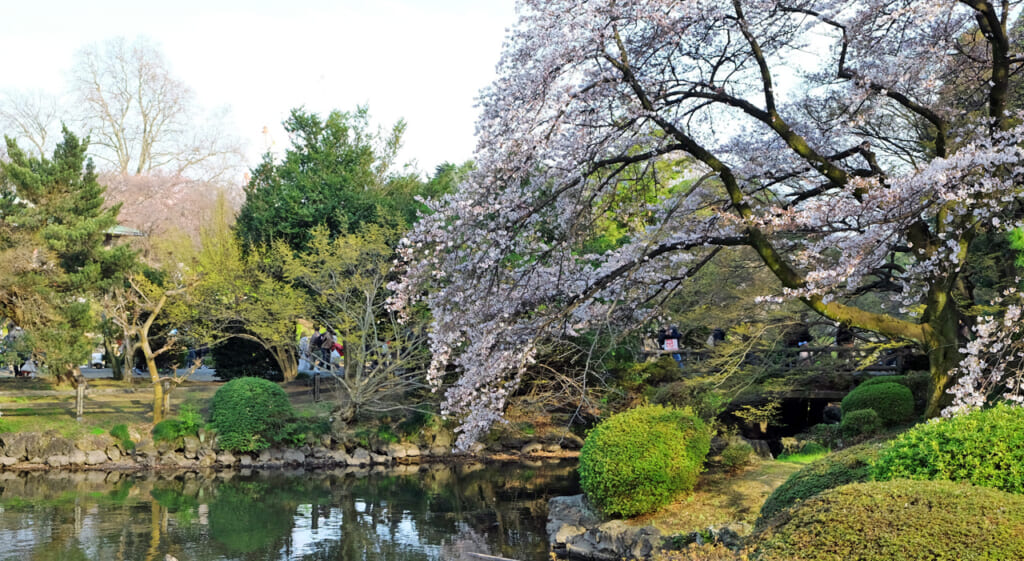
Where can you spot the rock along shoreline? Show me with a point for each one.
(32, 451)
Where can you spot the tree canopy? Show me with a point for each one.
(54, 248)
(338, 174)
(834, 149)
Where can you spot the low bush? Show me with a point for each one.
(167, 430)
(906, 520)
(704, 552)
(120, 432)
(188, 423)
(698, 394)
(640, 460)
(249, 414)
(738, 454)
(825, 434)
(983, 447)
(893, 402)
(852, 465)
(861, 422)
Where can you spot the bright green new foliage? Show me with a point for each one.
(249, 413)
(984, 448)
(639, 460)
(893, 402)
(904, 520)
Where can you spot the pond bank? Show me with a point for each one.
(30, 451)
(378, 513)
(723, 508)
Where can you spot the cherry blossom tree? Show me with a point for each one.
(816, 132)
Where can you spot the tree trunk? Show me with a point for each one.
(154, 378)
(287, 362)
(943, 347)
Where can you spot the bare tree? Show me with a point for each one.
(141, 118)
(346, 277)
(31, 116)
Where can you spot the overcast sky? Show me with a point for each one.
(421, 60)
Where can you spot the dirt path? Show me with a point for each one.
(722, 498)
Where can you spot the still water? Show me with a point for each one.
(431, 513)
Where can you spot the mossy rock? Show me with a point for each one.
(905, 520)
(852, 465)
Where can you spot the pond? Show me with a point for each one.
(431, 512)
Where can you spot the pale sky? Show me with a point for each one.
(421, 60)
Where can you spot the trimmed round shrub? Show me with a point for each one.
(856, 423)
(916, 382)
(893, 402)
(249, 413)
(640, 460)
(905, 520)
(852, 465)
(983, 447)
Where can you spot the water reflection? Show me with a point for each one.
(435, 513)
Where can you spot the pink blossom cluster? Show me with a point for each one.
(993, 361)
(791, 127)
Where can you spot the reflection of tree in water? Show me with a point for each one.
(258, 515)
(460, 510)
(465, 542)
(438, 513)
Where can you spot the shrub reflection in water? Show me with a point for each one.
(437, 512)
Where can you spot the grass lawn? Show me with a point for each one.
(38, 405)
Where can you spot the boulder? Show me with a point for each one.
(207, 460)
(146, 449)
(57, 461)
(379, 459)
(270, 455)
(614, 540)
(531, 448)
(191, 445)
(114, 453)
(93, 442)
(51, 443)
(477, 448)
(319, 452)
(339, 457)
(574, 510)
(77, 458)
(293, 457)
(15, 445)
(395, 450)
(226, 459)
(360, 457)
(761, 448)
(571, 441)
(7, 461)
(552, 448)
(175, 459)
